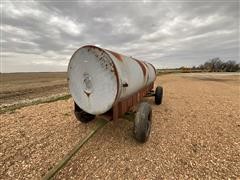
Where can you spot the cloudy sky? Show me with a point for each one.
(42, 35)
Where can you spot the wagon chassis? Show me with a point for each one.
(142, 126)
(126, 106)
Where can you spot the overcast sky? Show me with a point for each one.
(42, 35)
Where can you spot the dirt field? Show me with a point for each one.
(195, 134)
(21, 86)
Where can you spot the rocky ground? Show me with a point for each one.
(195, 134)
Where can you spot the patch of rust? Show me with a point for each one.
(116, 55)
(103, 58)
(106, 64)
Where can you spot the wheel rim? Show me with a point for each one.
(148, 124)
(148, 128)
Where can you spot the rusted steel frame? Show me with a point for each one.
(150, 94)
(126, 104)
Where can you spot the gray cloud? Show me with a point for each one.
(42, 35)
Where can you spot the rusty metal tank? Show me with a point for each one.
(98, 78)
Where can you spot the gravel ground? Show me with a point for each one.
(195, 134)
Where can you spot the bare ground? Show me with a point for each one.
(21, 86)
(195, 134)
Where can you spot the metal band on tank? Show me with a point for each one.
(117, 55)
(142, 67)
(153, 68)
(115, 72)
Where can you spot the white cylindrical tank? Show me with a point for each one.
(98, 78)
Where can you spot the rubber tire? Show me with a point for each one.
(158, 95)
(81, 115)
(142, 122)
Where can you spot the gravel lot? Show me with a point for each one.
(195, 134)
